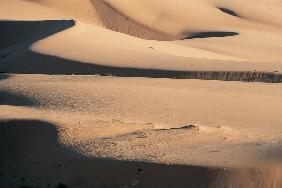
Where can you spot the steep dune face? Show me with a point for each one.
(115, 20)
(99, 12)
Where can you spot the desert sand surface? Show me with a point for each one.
(123, 93)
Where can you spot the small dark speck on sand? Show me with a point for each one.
(61, 185)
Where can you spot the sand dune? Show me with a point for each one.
(49, 164)
(146, 55)
(144, 102)
(182, 20)
(107, 93)
(91, 123)
(27, 63)
(247, 36)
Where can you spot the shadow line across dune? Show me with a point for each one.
(35, 63)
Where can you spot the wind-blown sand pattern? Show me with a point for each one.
(107, 93)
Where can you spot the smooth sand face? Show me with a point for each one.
(139, 126)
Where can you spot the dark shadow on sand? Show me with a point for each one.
(7, 98)
(27, 32)
(35, 63)
(4, 76)
(228, 11)
(16, 35)
(273, 153)
(211, 34)
(14, 99)
(30, 155)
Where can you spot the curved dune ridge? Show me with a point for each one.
(16, 49)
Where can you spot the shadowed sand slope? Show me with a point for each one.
(17, 35)
(4, 76)
(115, 20)
(18, 32)
(7, 98)
(35, 63)
(34, 157)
